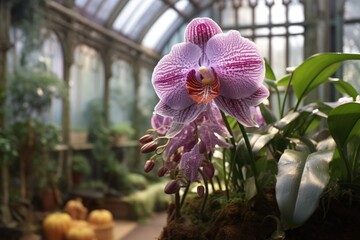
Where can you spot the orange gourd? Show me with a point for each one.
(76, 209)
(56, 226)
(100, 217)
(81, 232)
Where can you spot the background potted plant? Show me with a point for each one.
(122, 132)
(80, 168)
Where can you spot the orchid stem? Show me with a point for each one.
(285, 96)
(233, 151)
(225, 178)
(205, 196)
(177, 205)
(184, 195)
(251, 155)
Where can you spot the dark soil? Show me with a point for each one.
(233, 220)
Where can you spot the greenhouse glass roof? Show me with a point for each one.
(148, 22)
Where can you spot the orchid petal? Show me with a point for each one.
(257, 97)
(164, 110)
(170, 73)
(237, 62)
(190, 163)
(200, 30)
(237, 109)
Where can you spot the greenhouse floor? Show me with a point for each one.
(151, 228)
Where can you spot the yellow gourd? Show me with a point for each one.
(100, 217)
(81, 232)
(56, 226)
(76, 209)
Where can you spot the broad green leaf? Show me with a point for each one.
(344, 123)
(316, 70)
(344, 87)
(301, 180)
(282, 123)
(284, 81)
(263, 140)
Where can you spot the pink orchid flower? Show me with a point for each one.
(210, 66)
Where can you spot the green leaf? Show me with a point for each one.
(284, 81)
(316, 70)
(344, 87)
(344, 123)
(263, 140)
(290, 117)
(301, 180)
(269, 73)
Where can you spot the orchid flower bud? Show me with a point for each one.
(172, 187)
(149, 165)
(149, 147)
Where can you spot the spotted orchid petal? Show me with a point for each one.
(170, 74)
(238, 109)
(238, 64)
(161, 123)
(190, 163)
(257, 97)
(180, 117)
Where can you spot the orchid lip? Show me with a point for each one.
(202, 86)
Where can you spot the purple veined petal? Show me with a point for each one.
(258, 96)
(237, 62)
(164, 110)
(200, 30)
(170, 73)
(185, 117)
(237, 109)
(190, 163)
(161, 123)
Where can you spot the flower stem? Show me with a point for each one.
(236, 174)
(251, 155)
(205, 196)
(177, 205)
(225, 178)
(285, 96)
(184, 195)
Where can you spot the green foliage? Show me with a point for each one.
(31, 93)
(145, 202)
(123, 129)
(296, 145)
(300, 181)
(80, 164)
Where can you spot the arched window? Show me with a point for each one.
(122, 92)
(86, 84)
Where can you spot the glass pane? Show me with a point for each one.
(137, 16)
(296, 50)
(81, 3)
(278, 55)
(296, 12)
(93, 6)
(129, 10)
(352, 45)
(159, 28)
(122, 92)
(296, 29)
(278, 30)
(145, 19)
(86, 84)
(106, 9)
(352, 9)
(263, 45)
(261, 13)
(278, 12)
(245, 14)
